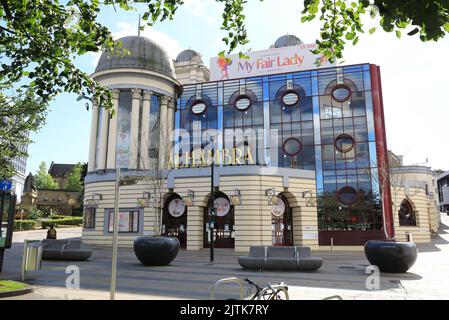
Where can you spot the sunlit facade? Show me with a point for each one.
(313, 139)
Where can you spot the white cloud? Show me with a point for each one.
(197, 7)
(124, 29)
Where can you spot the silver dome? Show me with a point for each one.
(287, 40)
(187, 55)
(144, 54)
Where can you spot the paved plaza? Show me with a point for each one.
(191, 276)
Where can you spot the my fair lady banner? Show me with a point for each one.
(271, 61)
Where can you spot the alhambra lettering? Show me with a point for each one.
(204, 158)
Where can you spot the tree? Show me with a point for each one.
(43, 179)
(20, 113)
(74, 181)
(391, 179)
(38, 39)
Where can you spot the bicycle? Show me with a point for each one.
(270, 292)
(256, 292)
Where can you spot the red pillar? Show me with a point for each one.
(381, 147)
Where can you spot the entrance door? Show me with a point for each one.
(224, 223)
(281, 223)
(174, 219)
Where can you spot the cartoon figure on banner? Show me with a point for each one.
(224, 63)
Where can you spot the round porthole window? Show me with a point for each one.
(242, 103)
(347, 195)
(198, 107)
(292, 146)
(290, 99)
(344, 143)
(341, 93)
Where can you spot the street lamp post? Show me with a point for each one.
(115, 236)
(212, 210)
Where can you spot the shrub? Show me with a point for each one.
(57, 216)
(66, 221)
(24, 225)
(35, 214)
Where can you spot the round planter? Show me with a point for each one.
(156, 251)
(391, 256)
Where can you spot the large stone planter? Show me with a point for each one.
(156, 251)
(391, 256)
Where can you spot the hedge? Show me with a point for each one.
(24, 225)
(57, 216)
(67, 221)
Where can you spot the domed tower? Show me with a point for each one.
(189, 68)
(287, 40)
(143, 84)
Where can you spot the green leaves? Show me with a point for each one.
(20, 112)
(343, 20)
(43, 179)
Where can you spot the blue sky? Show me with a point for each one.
(414, 77)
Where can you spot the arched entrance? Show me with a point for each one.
(282, 223)
(407, 216)
(223, 221)
(174, 219)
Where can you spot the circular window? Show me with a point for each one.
(344, 143)
(242, 103)
(198, 107)
(341, 93)
(222, 206)
(347, 195)
(278, 209)
(176, 208)
(290, 99)
(292, 146)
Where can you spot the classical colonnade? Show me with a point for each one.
(103, 139)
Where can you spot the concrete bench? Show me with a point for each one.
(72, 250)
(293, 258)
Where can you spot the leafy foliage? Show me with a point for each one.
(343, 20)
(24, 225)
(74, 181)
(43, 179)
(20, 113)
(40, 38)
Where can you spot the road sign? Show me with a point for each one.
(5, 185)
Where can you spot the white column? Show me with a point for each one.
(112, 140)
(170, 125)
(93, 138)
(134, 132)
(170, 118)
(103, 139)
(145, 131)
(163, 133)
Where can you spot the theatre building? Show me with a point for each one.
(296, 144)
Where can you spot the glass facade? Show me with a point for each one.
(320, 120)
(123, 129)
